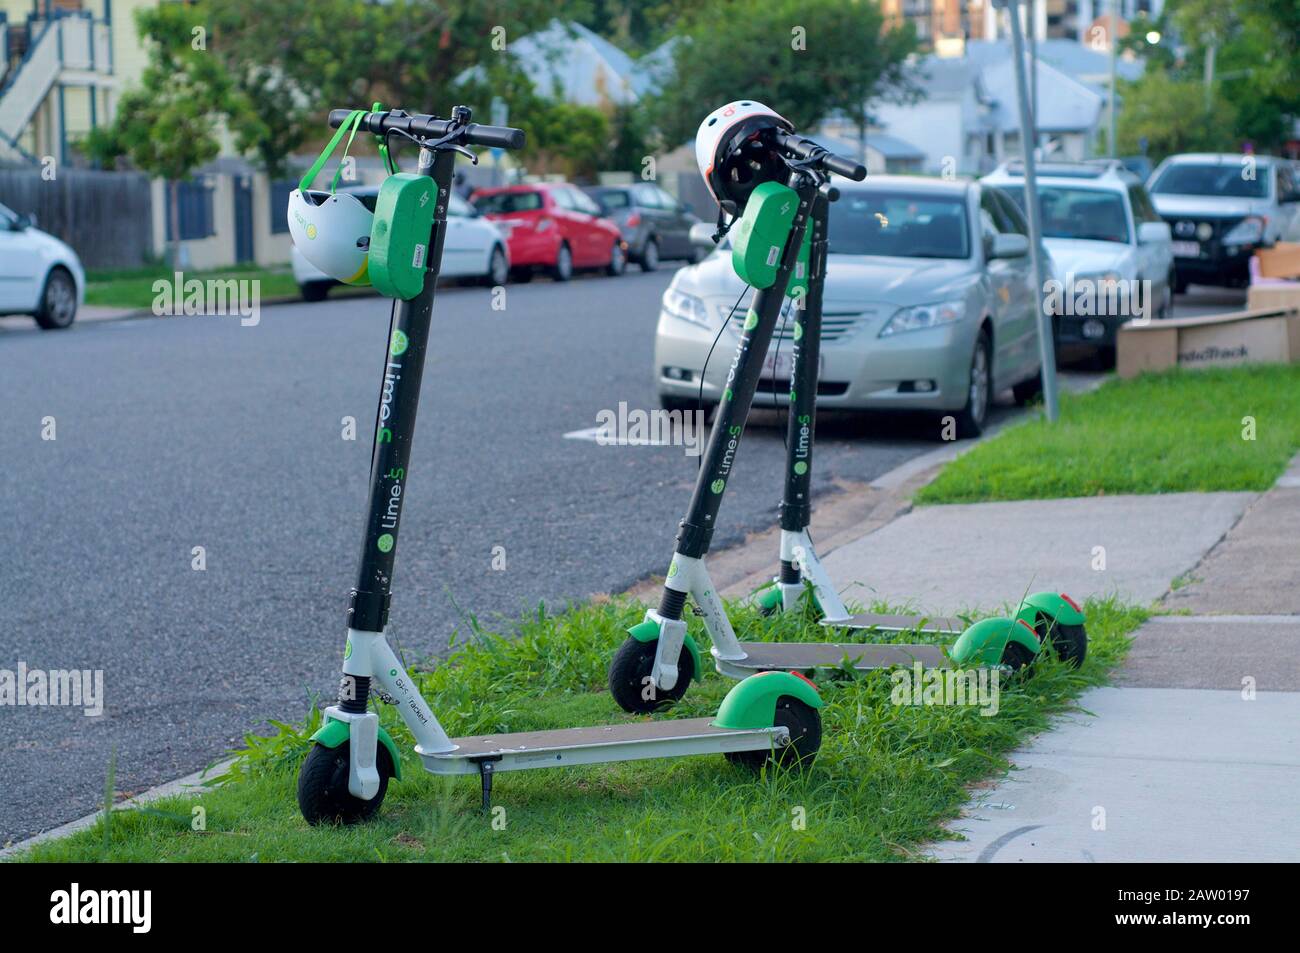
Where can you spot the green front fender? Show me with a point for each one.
(752, 702)
(1054, 605)
(984, 642)
(334, 732)
(648, 631)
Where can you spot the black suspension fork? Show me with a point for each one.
(399, 397)
(695, 532)
(796, 501)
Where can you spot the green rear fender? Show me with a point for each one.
(1054, 605)
(648, 631)
(752, 702)
(769, 597)
(984, 642)
(334, 732)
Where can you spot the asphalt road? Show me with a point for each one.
(182, 432)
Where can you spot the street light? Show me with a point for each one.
(1153, 37)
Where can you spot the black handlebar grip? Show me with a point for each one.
(498, 137)
(845, 167)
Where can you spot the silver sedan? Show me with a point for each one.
(929, 305)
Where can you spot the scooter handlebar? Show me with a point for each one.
(808, 149)
(431, 127)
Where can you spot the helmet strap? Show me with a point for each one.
(353, 120)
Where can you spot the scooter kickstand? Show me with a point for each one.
(486, 769)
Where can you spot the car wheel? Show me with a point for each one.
(650, 255)
(314, 290)
(1180, 284)
(498, 272)
(58, 307)
(562, 270)
(970, 420)
(617, 260)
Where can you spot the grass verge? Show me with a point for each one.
(1179, 431)
(887, 775)
(134, 288)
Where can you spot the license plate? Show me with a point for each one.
(1186, 249)
(781, 365)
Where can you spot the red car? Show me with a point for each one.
(553, 226)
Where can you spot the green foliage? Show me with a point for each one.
(1175, 432)
(1170, 115)
(734, 49)
(887, 776)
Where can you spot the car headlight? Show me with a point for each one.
(1246, 232)
(1099, 279)
(924, 316)
(687, 307)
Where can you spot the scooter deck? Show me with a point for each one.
(631, 741)
(900, 623)
(804, 656)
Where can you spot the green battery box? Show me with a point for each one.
(798, 286)
(399, 238)
(758, 239)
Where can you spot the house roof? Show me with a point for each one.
(1064, 104)
(1071, 57)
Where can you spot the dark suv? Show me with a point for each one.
(654, 224)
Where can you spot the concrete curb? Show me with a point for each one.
(190, 784)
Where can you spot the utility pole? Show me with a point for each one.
(1046, 344)
(1032, 22)
(1113, 31)
(1209, 72)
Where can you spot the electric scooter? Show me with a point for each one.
(657, 662)
(768, 719)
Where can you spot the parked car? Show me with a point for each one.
(555, 227)
(39, 275)
(1099, 226)
(1221, 207)
(930, 304)
(474, 248)
(654, 224)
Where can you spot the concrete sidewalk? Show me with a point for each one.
(1195, 756)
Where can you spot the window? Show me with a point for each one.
(899, 224)
(194, 206)
(457, 207)
(563, 198)
(1090, 214)
(280, 192)
(1015, 218)
(647, 196)
(581, 202)
(1143, 210)
(504, 203)
(1227, 179)
(997, 217)
(666, 201)
(613, 199)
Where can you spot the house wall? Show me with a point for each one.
(934, 126)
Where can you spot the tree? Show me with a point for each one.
(1170, 115)
(804, 58)
(169, 125)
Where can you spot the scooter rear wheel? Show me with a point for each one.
(323, 795)
(629, 677)
(805, 726)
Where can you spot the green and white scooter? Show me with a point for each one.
(772, 718)
(775, 187)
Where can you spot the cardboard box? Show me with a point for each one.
(1260, 336)
(1280, 261)
(1281, 295)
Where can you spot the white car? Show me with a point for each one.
(39, 275)
(474, 248)
(1099, 226)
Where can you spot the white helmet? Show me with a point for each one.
(731, 153)
(332, 231)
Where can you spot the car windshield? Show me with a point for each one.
(1091, 214)
(899, 225)
(503, 203)
(612, 201)
(1228, 179)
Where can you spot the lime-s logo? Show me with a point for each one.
(751, 320)
(672, 569)
(311, 230)
(385, 543)
(347, 650)
(801, 468)
(399, 344)
(718, 486)
(798, 332)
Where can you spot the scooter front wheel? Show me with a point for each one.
(323, 795)
(631, 681)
